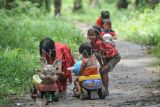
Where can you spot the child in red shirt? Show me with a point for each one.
(104, 15)
(106, 54)
(52, 51)
(104, 22)
(106, 28)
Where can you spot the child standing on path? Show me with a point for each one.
(106, 54)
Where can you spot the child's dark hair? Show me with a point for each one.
(47, 46)
(105, 14)
(108, 21)
(86, 49)
(96, 30)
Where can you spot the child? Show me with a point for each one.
(107, 37)
(104, 15)
(106, 54)
(52, 51)
(88, 64)
(107, 29)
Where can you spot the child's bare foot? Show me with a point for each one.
(77, 94)
(107, 93)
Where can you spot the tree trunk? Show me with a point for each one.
(1, 4)
(48, 5)
(57, 7)
(153, 3)
(134, 4)
(122, 4)
(8, 4)
(94, 3)
(77, 5)
(137, 3)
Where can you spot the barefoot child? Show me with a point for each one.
(106, 54)
(52, 51)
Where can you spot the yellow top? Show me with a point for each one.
(89, 77)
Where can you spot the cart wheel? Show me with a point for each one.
(33, 92)
(101, 93)
(56, 96)
(48, 97)
(41, 94)
(84, 94)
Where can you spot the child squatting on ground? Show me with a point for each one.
(52, 51)
(88, 64)
(106, 54)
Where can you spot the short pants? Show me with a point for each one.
(111, 63)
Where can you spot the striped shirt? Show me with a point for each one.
(90, 65)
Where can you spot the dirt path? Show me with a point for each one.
(128, 85)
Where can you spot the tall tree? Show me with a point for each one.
(134, 4)
(153, 3)
(77, 5)
(122, 4)
(7, 4)
(142, 3)
(48, 3)
(57, 7)
(94, 3)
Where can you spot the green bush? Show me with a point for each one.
(26, 32)
(17, 68)
(143, 27)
